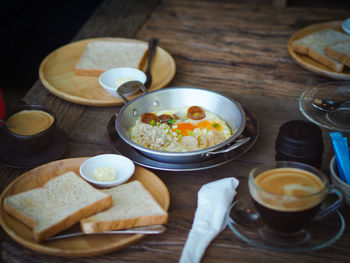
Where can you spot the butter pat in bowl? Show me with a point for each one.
(112, 79)
(107, 170)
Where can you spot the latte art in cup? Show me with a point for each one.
(286, 197)
(30, 122)
(291, 184)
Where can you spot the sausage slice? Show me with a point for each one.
(195, 113)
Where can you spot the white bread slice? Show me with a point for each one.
(101, 55)
(56, 206)
(132, 206)
(314, 44)
(339, 51)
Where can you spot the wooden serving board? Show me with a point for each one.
(79, 246)
(310, 64)
(56, 74)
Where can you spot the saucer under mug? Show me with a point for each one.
(245, 222)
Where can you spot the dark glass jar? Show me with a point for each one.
(299, 141)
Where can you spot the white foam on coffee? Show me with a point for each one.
(290, 188)
(288, 199)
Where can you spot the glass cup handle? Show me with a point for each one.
(333, 207)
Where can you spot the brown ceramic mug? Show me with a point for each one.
(30, 128)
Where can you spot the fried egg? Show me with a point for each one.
(186, 127)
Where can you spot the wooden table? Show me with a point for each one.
(228, 46)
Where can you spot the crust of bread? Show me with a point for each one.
(88, 72)
(143, 60)
(300, 48)
(100, 226)
(19, 215)
(324, 60)
(340, 55)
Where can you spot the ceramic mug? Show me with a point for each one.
(30, 128)
(288, 195)
(335, 179)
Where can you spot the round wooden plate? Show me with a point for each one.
(56, 73)
(310, 64)
(76, 246)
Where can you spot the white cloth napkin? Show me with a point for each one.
(209, 220)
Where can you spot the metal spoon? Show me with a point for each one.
(128, 87)
(150, 230)
(244, 213)
(338, 113)
(329, 105)
(152, 46)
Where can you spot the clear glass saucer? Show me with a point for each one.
(337, 91)
(245, 222)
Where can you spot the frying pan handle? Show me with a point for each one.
(228, 149)
(128, 87)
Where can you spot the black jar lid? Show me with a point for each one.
(300, 132)
(300, 137)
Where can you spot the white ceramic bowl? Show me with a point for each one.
(108, 79)
(123, 166)
(346, 25)
(335, 179)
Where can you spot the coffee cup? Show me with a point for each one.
(335, 179)
(289, 195)
(30, 128)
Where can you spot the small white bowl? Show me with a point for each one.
(124, 169)
(108, 79)
(335, 179)
(346, 25)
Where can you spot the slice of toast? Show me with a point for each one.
(314, 45)
(339, 51)
(59, 204)
(132, 206)
(100, 56)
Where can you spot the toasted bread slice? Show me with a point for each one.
(132, 206)
(339, 51)
(59, 204)
(100, 56)
(314, 45)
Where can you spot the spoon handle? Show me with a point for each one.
(152, 47)
(155, 229)
(329, 105)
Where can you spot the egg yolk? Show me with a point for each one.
(186, 128)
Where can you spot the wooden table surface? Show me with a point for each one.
(233, 47)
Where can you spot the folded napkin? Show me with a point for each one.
(209, 220)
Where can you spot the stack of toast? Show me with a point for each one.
(329, 47)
